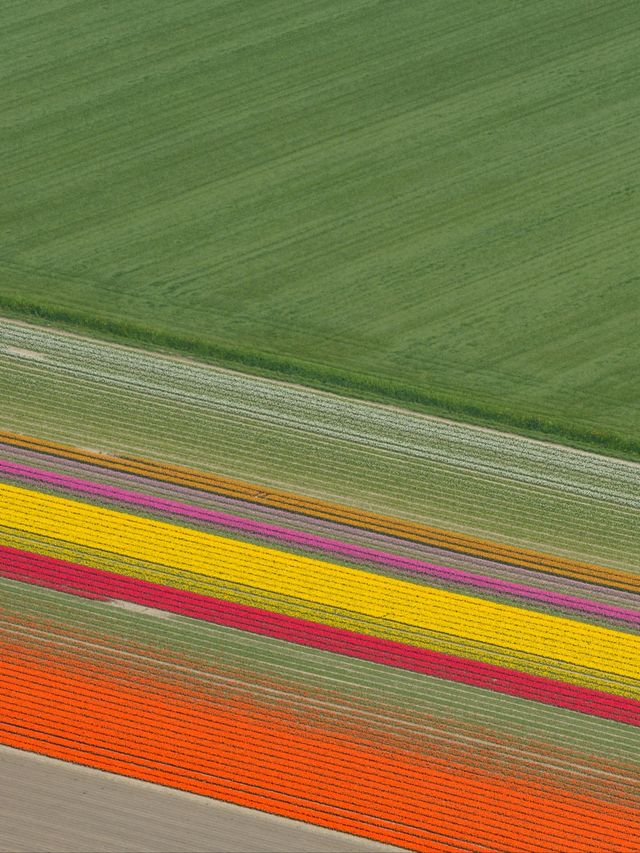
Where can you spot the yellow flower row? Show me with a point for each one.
(287, 606)
(325, 585)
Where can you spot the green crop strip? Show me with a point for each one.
(97, 395)
(325, 378)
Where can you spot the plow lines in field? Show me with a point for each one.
(407, 630)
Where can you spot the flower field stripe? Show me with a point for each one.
(423, 633)
(199, 711)
(448, 792)
(307, 525)
(372, 807)
(330, 546)
(268, 496)
(207, 658)
(56, 745)
(230, 570)
(501, 487)
(296, 503)
(100, 585)
(350, 621)
(228, 779)
(324, 584)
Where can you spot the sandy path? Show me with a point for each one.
(49, 806)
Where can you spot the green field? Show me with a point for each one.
(431, 201)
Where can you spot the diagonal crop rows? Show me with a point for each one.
(455, 476)
(414, 631)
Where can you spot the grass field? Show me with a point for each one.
(427, 201)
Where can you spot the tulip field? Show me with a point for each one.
(319, 408)
(421, 633)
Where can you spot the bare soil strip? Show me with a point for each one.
(50, 806)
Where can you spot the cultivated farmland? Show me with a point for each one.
(73, 809)
(319, 407)
(382, 623)
(473, 481)
(430, 201)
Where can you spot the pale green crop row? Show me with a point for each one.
(514, 489)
